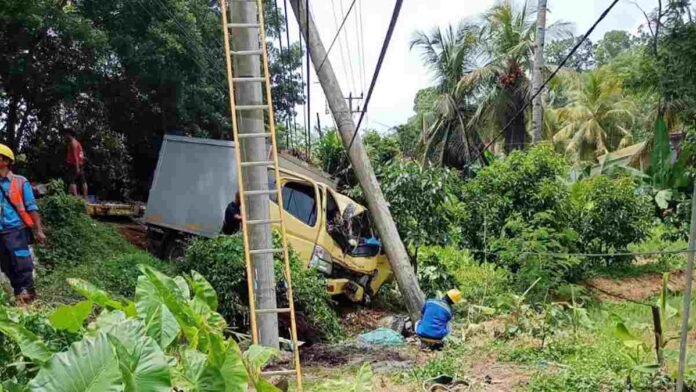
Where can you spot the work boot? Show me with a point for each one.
(25, 298)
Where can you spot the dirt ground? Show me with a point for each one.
(134, 232)
(636, 288)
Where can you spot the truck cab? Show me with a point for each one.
(332, 233)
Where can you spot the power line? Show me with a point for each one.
(287, 38)
(308, 131)
(553, 74)
(340, 44)
(618, 254)
(385, 45)
(348, 50)
(333, 41)
(361, 45)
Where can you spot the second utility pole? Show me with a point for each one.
(537, 74)
(377, 204)
(255, 150)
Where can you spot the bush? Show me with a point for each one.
(441, 269)
(608, 214)
(221, 261)
(73, 237)
(524, 183)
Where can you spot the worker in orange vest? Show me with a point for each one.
(18, 216)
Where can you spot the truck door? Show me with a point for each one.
(301, 204)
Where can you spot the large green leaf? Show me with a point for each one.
(90, 365)
(203, 290)
(31, 346)
(144, 367)
(195, 375)
(160, 323)
(71, 317)
(94, 294)
(233, 370)
(265, 386)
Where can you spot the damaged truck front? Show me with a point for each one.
(195, 179)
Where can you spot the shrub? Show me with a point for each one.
(73, 237)
(221, 261)
(525, 183)
(527, 249)
(441, 269)
(608, 214)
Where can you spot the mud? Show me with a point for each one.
(637, 288)
(134, 233)
(351, 353)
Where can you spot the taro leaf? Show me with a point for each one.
(94, 294)
(626, 337)
(183, 286)
(194, 375)
(203, 290)
(160, 323)
(144, 367)
(256, 357)
(89, 365)
(71, 317)
(265, 386)
(233, 370)
(30, 345)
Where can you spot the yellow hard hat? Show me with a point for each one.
(6, 151)
(455, 295)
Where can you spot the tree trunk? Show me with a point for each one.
(537, 75)
(398, 257)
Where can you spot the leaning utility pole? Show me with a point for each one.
(398, 258)
(537, 74)
(254, 149)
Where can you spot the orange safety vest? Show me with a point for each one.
(17, 199)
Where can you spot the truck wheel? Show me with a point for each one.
(175, 250)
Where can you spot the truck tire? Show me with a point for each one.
(175, 248)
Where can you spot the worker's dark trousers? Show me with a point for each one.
(15, 259)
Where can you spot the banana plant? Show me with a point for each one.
(169, 338)
(634, 353)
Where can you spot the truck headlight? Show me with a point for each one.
(321, 260)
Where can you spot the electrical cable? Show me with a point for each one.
(348, 51)
(361, 50)
(619, 254)
(340, 44)
(385, 45)
(292, 132)
(553, 74)
(304, 112)
(333, 41)
(362, 45)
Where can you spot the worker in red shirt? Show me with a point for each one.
(76, 164)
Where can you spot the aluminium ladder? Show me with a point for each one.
(267, 107)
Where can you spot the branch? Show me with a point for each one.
(647, 18)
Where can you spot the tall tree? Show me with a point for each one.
(581, 60)
(450, 55)
(613, 44)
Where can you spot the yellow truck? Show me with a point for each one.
(195, 179)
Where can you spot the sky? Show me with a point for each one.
(403, 72)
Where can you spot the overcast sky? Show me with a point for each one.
(403, 72)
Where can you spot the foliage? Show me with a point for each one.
(418, 197)
(221, 261)
(525, 183)
(362, 382)
(613, 44)
(536, 251)
(608, 215)
(582, 60)
(440, 269)
(119, 349)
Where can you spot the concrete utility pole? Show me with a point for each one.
(537, 75)
(256, 177)
(398, 258)
(687, 297)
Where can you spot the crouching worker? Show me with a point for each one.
(18, 215)
(436, 315)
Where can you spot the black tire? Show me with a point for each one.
(175, 248)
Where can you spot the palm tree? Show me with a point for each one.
(450, 55)
(501, 85)
(598, 119)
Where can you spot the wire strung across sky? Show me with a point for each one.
(338, 32)
(385, 45)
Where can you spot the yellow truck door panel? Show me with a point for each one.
(301, 214)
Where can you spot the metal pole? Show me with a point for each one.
(687, 295)
(255, 178)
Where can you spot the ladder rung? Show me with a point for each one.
(264, 192)
(264, 251)
(249, 79)
(252, 107)
(247, 52)
(263, 222)
(247, 25)
(284, 372)
(278, 310)
(257, 163)
(252, 135)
